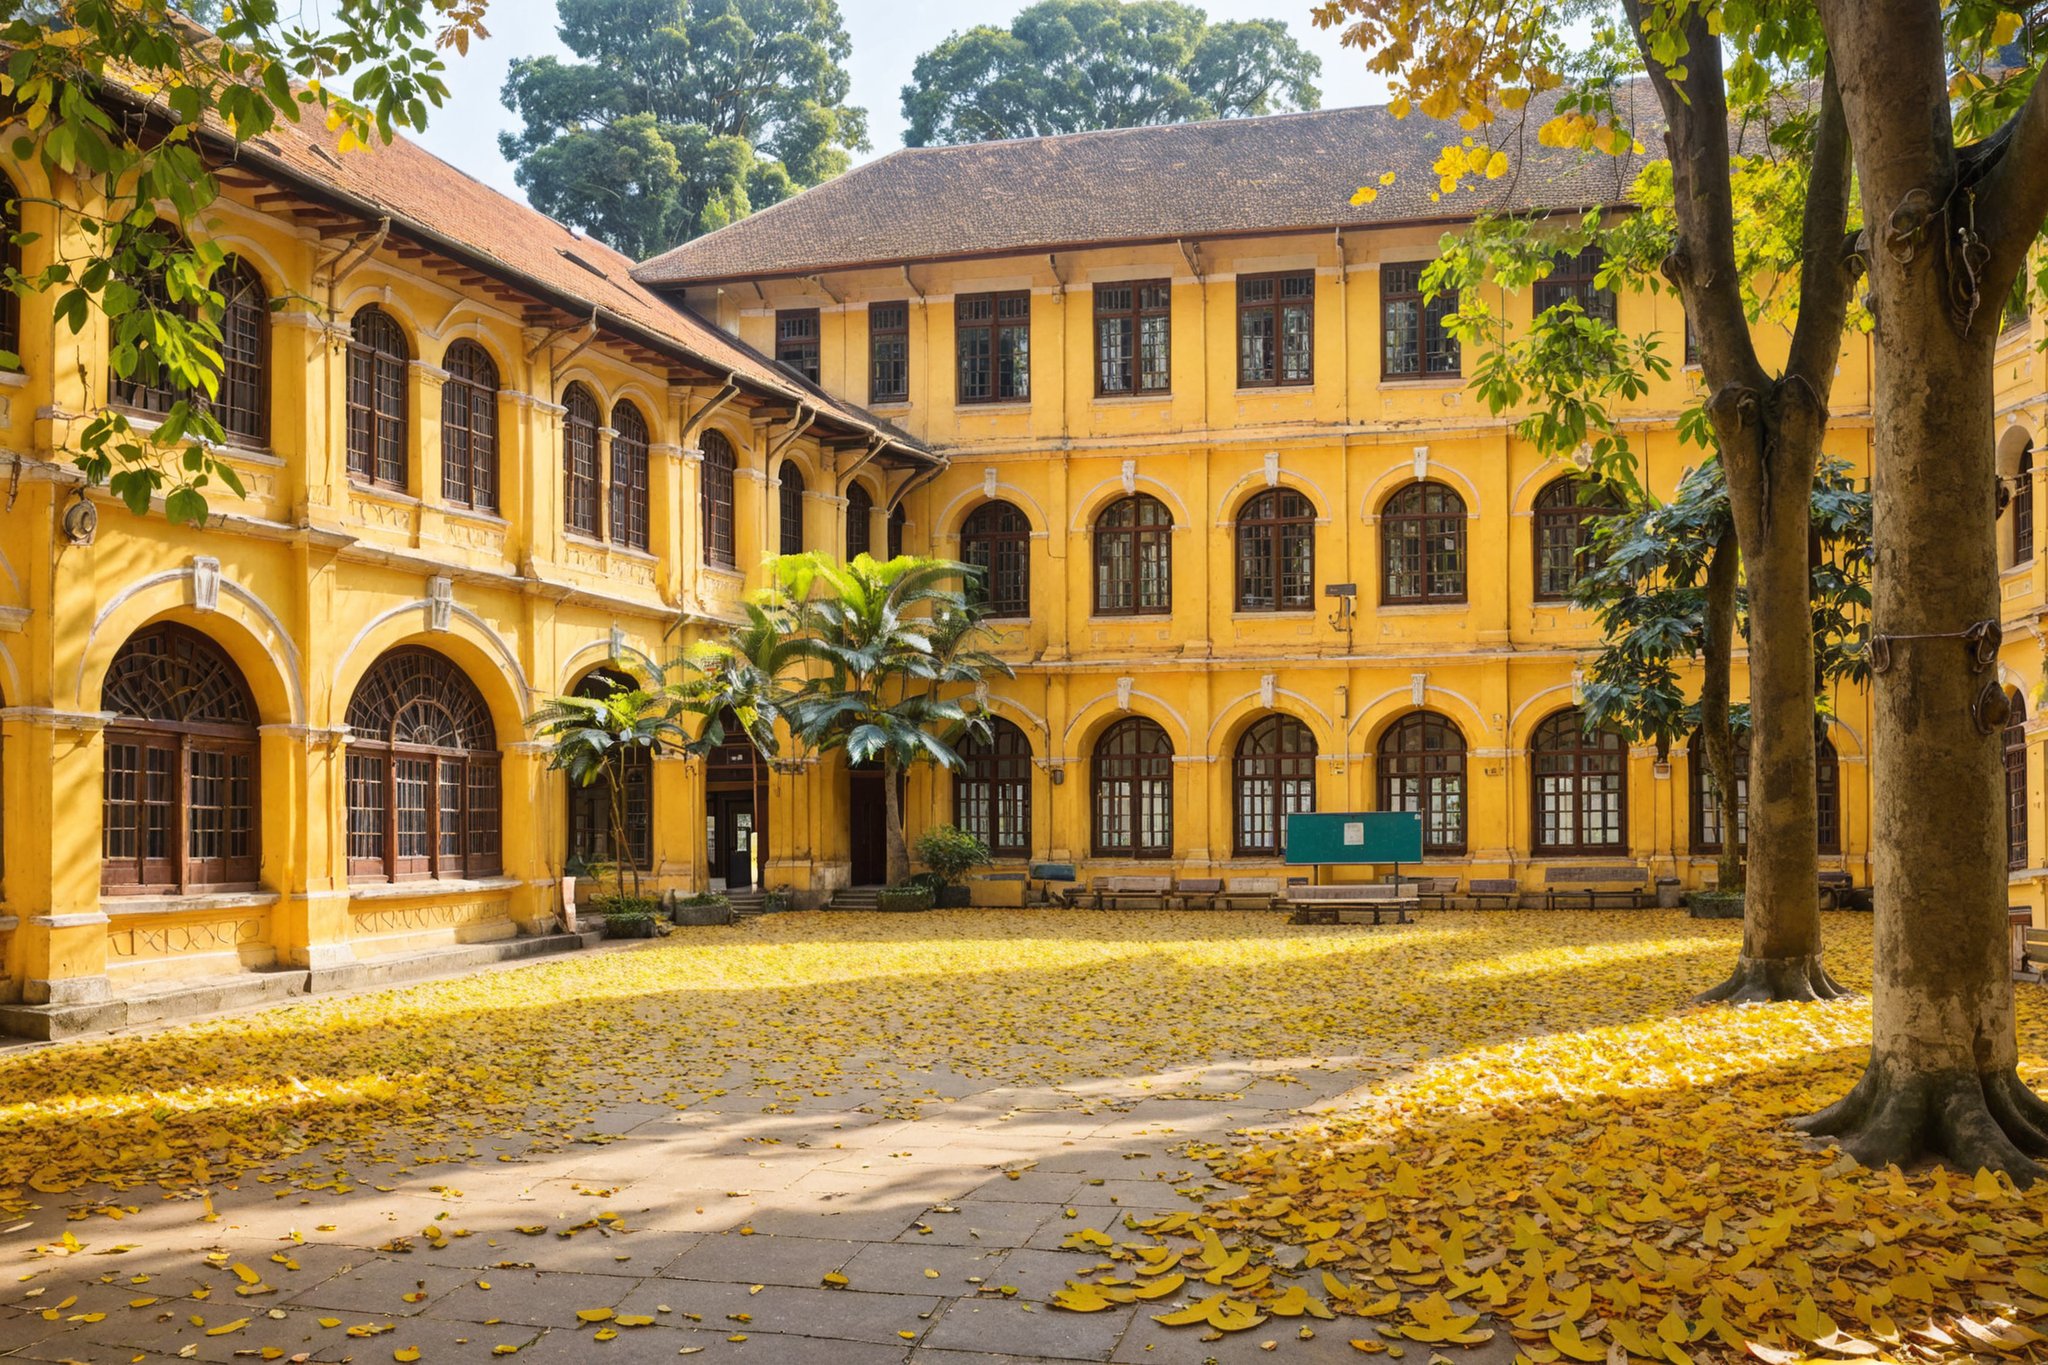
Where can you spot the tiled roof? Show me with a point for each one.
(439, 205)
(1287, 172)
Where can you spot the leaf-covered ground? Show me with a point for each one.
(1538, 1143)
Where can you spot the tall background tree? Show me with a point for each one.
(1068, 66)
(135, 104)
(681, 115)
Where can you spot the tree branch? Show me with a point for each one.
(2012, 198)
(1703, 202)
(1824, 277)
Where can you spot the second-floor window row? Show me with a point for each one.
(993, 346)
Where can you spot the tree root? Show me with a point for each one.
(1761, 980)
(1973, 1121)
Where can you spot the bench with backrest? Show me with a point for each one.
(1197, 893)
(1436, 892)
(1835, 888)
(2034, 955)
(1116, 893)
(1506, 890)
(1042, 875)
(1253, 893)
(1350, 903)
(1595, 884)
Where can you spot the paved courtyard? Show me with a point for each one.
(834, 1138)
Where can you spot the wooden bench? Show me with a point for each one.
(1255, 893)
(1506, 890)
(1434, 892)
(1628, 885)
(1114, 893)
(1835, 888)
(1197, 893)
(1349, 903)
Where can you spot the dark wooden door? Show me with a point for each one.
(732, 825)
(869, 815)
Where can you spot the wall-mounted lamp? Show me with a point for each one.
(81, 519)
(1059, 776)
(1347, 596)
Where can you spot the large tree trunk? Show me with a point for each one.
(1941, 1079)
(1771, 444)
(1717, 735)
(899, 850)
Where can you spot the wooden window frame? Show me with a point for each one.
(1559, 520)
(1413, 775)
(1281, 531)
(1411, 532)
(992, 328)
(631, 441)
(1004, 588)
(1575, 276)
(469, 428)
(717, 512)
(2015, 750)
(1273, 309)
(1703, 832)
(799, 342)
(1137, 535)
(180, 728)
(893, 527)
(373, 758)
(582, 478)
(375, 428)
(860, 517)
(1827, 797)
(1131, 305)
(992, 790)
(789, 530)
(1134, 801)
(889, 352)
(242, 404)
(1577, 774)
(1272, 776)
(2022, 509)
(1401, 286)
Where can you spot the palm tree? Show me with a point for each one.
(890, 637)
(740, 676)
(593, 737)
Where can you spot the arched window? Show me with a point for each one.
(1131, 780)
(377, 359)
(898, 519)
(590, 808)
(1276, 552)
(860, 520)
(996, 538)
(10, 258)
(423, 783)
(469, 428)
(792, 528)
(1422, 768)
(629, 476)
(1564, 533)
(242, 404)
(179, 808)
(715, 500)
(1581, 783)
(2023, 509)
(1422, 537)
(1706, 796)
(1134, 558)
(992, 789)
(582, 511)
(1272, 775)
(2016, 785)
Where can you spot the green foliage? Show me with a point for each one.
(682, 115)
(951, 853)
(591, 738)
(623, 906)
(1646, 584)
(1068, 66)
(73, 76)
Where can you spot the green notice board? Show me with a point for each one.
(1356, 837)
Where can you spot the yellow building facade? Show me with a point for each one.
(488, 459)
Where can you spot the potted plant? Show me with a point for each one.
(951, 853)
(777, 900)
(625, 915)
(590, 736)
(706, 907)
(905, 899)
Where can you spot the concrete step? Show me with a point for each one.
(194, 999)
(747, 904)
(855, 898)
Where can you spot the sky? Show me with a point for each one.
(888, 37)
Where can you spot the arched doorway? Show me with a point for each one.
(735, 809)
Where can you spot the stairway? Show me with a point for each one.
(855, 898)
(748, 903)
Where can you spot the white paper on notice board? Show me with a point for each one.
(1354, 831)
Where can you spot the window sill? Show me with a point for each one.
(428, 886)
(1431, 381)
(384, 492)
(889, 402)
(1290, 614)
(2025, 566)
(1422, 608)
(999, 405)
(610, 547)
(1554, 604)
(1254, 390)
(1160, 619)
(1126, 399)
(732, 571)
(13, 379)
(473, 514)
(114, 903)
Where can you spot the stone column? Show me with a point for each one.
(529, 825)
(53, 853)
(305, 845)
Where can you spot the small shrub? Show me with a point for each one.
(623, 905)
(703, 898)
(951, 853)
